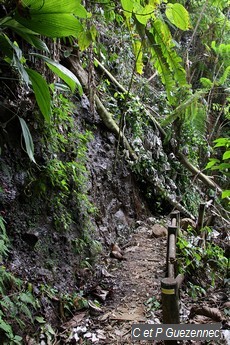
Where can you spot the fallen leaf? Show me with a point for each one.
(212, 313)
(117, 255)
(104, 317)
(106, 274)
(74, 321)
(94, 307)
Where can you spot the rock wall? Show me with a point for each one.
(41, 254)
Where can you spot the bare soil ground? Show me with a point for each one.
(139, 281)
(136, 286)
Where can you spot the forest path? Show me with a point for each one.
(134, 286)
(137, 287)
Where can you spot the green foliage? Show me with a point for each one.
(152, 304)
(66, 172)
(223, 164)
(165, 58)
(28, 139)
(29, 19)
(195, 261)
(178, 15)
(49, 18)
(4, 241)
(63, 73)
(73, 302)
(17, 305)
(159, 42)
(41, 91)
(195, 291)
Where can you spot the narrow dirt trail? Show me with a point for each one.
(137, 280)
(132, 286)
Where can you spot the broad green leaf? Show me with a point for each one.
(15, 55)
(220, 142)
(17, 339)
(31, 7)
(143, 14)
(16, 26)
(127, 6)
(65, 74)
(5, 327)
(212, 162)
(139, 56)
(26, 311)
(93, 31)
(84, 40)
(4, 20)
(34, 41)
(225, 194)
(226, 155)
(27, 34)
(178, 15)
(222, 167)
(2, 225)
(53, 25)
(50, 329)
(40, 319)
(52, 18)
(28, 139)
(223, 50)
(41, 91)
(62, 72)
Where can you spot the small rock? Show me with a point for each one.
(158, 230)
(88, 335)
(227, 305)
(151, 221)
(76, 337)
(94, 338)
(186, 222)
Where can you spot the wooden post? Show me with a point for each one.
(200, 221)
(211, 218)
(175, 214)
(170, 303)
(171, 230)
(200, 224)
(179, 280)
(172, 256)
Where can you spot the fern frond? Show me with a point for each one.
(224, 77)
(28, 298)
(165, 58)
(163, 38)
(222, 50)
(26, 311)
(188, 109)
(195, 116)
(166, 77)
